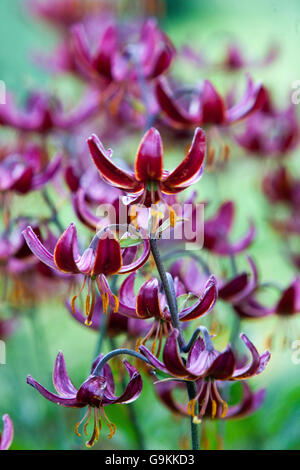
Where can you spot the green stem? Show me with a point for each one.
(172, 303)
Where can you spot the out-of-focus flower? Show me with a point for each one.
(235, 59)
(206, 105)
(151, 302)
(217, 231)
(64, 13)
(103, 257)
(211, 366)
(8, 433)
(7, 327)
(96, 392)
(270, 132)
(149, 181)
(280, 186)
(22, 170)
(116, 323)
(247, 405)
(118, 57)
(289, 302)
(44, 114)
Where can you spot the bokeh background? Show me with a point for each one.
(209, 25)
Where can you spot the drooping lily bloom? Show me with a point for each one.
(280, 186)
(217, 231)
(120, 56)
(103, 257)
(208, 365)
(289, 301)
(270, 132)
(151, 302)
(149, 181)
(44, 114)
(116, 323)
(248, 404)
(95, 393)
(206, 105)
(235, 58)
(22, 170)
(8, 433)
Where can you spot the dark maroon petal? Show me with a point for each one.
(38, 181)
(126, 292)
(223, 366)
(38, 248)
(61, 379)
(165, 390)
(140, 261)
(149, 158)
(154, 361)
(107, 48)
(66, 254)
(109, 171)
(257, 364)
(253, 100)
(132, 390)
(24, 181)
(108, 259)
(190, 167)
(172, 358)
(69, 402)
(223, 220)
(204, 304)
(195, 351)
(169, 106)
(249, 403)
(251, 308)
(233, 287)
(147, 302)
(91, 392)
(213, 106)
(82, 211)
(8, 433)
(289, 302)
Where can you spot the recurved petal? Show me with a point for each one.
(8, 433)
(190, 169)
(132, 390)
(68, 402)
(289, 302)
(82, 211)
(109, 171)
(204, 304)
(38, 248)
(147, 302)
(223, 366)
(169, 106)
(61, 379)
(249, 403)
(253, 100)
(108, 258)
(153, 360)
(50, 171)
(257, 364)
(213, 106)
(139, 261)
(172, 358)
(66, 254)
(149, 157)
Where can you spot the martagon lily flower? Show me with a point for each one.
(217, 231)
(96, 392)
(205, 363)
(151, 302)
(149, 181)
(103, 257)
(247, 405)
(8, 433)
(206, 105)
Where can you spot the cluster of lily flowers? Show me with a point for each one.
(108, 285)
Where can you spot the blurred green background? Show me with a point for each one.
(208, 25)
